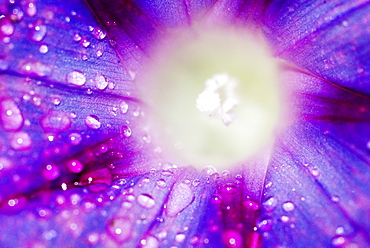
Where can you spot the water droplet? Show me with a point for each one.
(92, 122)
(20, 141)
(251, 205)
(315, 172)
(51, 172)
(119, 228)
(196, 182)
(180, 198)
(270, 204)
(265, 224)
(43, 48)
(56, 100)
(99, 33)
(180, 237)
(36, 68)
(149, 242)
(161, 183)
(146, 201)
(75, 139)
(77, 37)
(85, 42)
(37, 31)
(56, 121)
(6, 26)
(284, 218)
(335, 198)
(126, 131)
(99, 53)
(76, 78)
(11, 116)
(4, 65)
(100, 82)
(339, 241)
(31, 9)
(232, 238)
(229, 188)
(123, 107)
(288, 206)
(16, 14)
(74, 166)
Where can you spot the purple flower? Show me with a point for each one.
(78, 169)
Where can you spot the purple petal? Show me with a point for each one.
(327, 38)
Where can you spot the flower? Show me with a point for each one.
(76, 169)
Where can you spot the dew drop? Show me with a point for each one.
(232, 238)
(75, 139)
(56, 100)
(123, 106)
(339, 241)
(36, 68)
(56, 121)
(119, 229)
(76, 78)
(37, 31)
(180, 198)
(31, 9)
(161, 183)
(270, 204)
(180, 237)
(288, 206)
(4, 65)
(99, 33)
(251, 205)
(92, 122)
(126, 131)
(315, 172)
(20, 141)
(43, 48)
(6, 27)
(196, 182)
(11, 116)
(77, 37)
(265, 224)
(85, 42)
(99, 53)
(149, 242)
(16, 14)
(100, 82)
(74, 166)
(51, 172)
(146, 201)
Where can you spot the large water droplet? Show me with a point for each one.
(180, 198)
(76, 78)
(74, 166)
(123, 107)
(6, 26)
(146, 201)
(11, 116)
(92, 122)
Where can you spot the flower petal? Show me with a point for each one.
(327, 38)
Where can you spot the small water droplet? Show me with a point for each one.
(146, 201)
(119, 228)
(74, 166)
(6, 26)
(288, 206)
(16, 14)
(123, 107)
(196, 182)
(335, 198)
(77, 37)
(161, 183)
(75, 139)
(51, 172)
(31, 9)
(315, 172)
(126, 131)
(85, 42)
(11, 115)
(99, 53)
(99, 33)
(100, 81)
(43, 48)
(20, 141)
(56, 121)
(4, 65)
(232, 238)
(264, 224)
(76, 78)
(37, 31)
(251, 205)
(92, 122)
(180, 237)
(339, 241)
(270, 204)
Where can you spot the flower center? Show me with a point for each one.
(212, 96)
